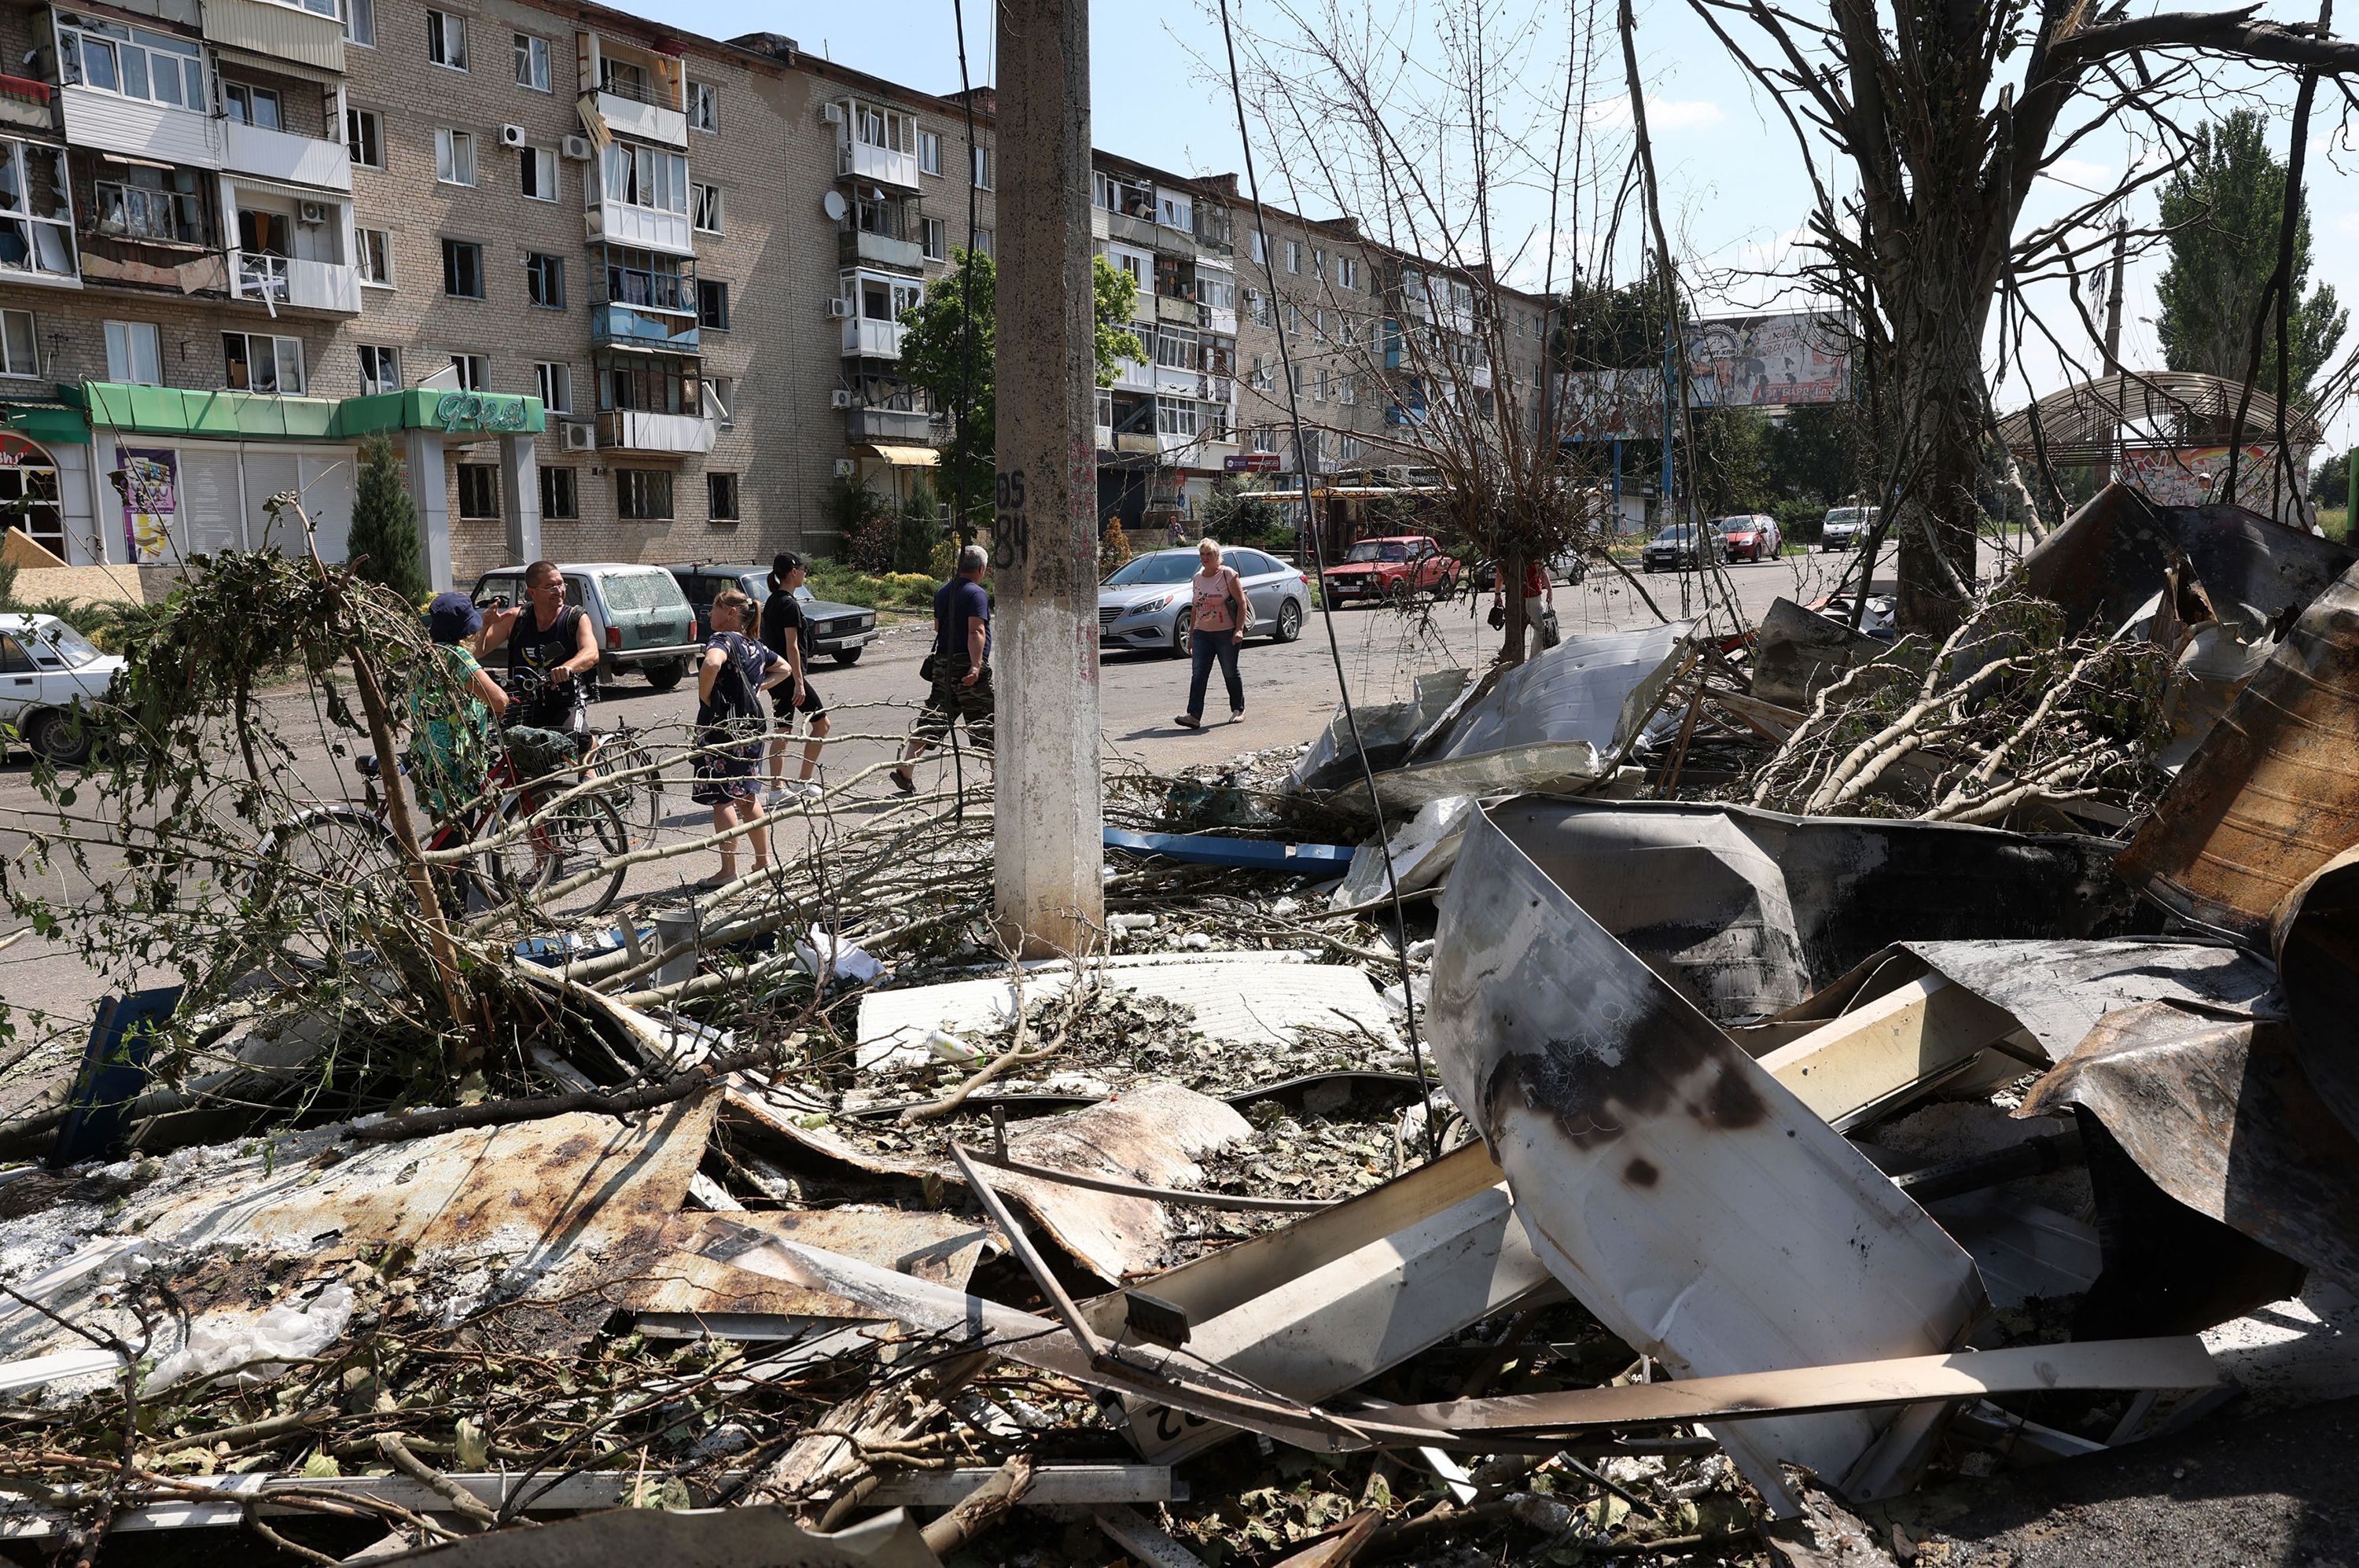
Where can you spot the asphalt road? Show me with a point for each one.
(1290, 694)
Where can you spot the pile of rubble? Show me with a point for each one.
(1600, 1166)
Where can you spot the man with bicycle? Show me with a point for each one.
(551, 649)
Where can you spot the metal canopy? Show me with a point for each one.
(2090, 421)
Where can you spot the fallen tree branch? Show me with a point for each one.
(981, 1509)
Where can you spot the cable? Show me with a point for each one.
(1327, 612)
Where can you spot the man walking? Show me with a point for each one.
(1538, 601)
(958, 670)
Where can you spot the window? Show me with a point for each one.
(462, 269)
(1318, 263)
(544, 279)
(536, 173)
(1293, 316)
(1294, 256)
(1294, 379)
(365, 135)
(703, 107)
(644, 177)
(982, 167)
(1175, 348)
(446, 41)
(934, 239)
(1347, 272)
(474, 371)
(1318, 392)
(1215, 292)
(132, 62)
(1136, 267)
(251, 105)
(1263, 379)
(723, 390)
(532, 62)
(376, 257)
(134, 353)
(380, 368)
(650, 383)
(257, 361)
(1260, 252)
(360, 23)
(1349, 447)
(712, 304)
(36, 217)
(643, 495)
(1348, 392)
(646, 278)
(19, 345)
(705, 207)
(721, 497)
(479, 490)
(985, 242)
(559, 498)
(1265, 439)
(1175, 416)
(455, 157)
(1174, 210)
(929, 153)
(555, 385)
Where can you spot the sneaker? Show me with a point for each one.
(1189, 722)
(806, 789)
(1236, 715)
(773, 799)
(902, 782)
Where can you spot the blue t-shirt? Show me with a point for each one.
(956, 603)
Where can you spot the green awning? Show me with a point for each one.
(457, 413)
(224, 416)
(51, 424)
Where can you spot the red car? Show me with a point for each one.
(1388, 568)
(1749, 537)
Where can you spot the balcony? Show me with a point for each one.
(645, 228)
(658, 435)
(1140, 231)
(27, 105)
(1142, 442)
(632, 112)
(1180, 308)
(856, 247)
(868, 339)
(284, 157)
(295, 282)
(1176, 380)
(896, 427)
(307, 37)
(135, 127)
(859, 160)
(628, 326)
(1212, 318)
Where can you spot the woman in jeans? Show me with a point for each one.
(1219, 618)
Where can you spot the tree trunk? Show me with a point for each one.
(1936, 419)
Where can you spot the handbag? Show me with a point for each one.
(1498, 616)
(927, 667)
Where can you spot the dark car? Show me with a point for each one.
(839, 631)
(1672, 549)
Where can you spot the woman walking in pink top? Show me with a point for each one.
(1218, 628)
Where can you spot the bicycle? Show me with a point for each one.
(349, 842)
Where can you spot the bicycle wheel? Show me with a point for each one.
(325, 883)
(577, 836)
(638, 801)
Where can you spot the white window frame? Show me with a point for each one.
(544, 173)
(699, 193)
(704, 100)
(380, 368)
(282, 351)
(934, 238)
(1260, 251)
(1347, 272)
(982, 169)
(929, 153)
(475, 371)
(363, 128)
(73, 42)
(444, 29)
(32, 222)
(557, 276)
(124, 341)
(720, 391)
(554, 380)
(360, 23)
(532, 62)
(246, 95)
(633, 175)
(383, 249)
(448, 145)
(1294, 257)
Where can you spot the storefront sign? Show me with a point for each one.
(1250, 463)
(16, 452)
(479, 412)
(151, 500)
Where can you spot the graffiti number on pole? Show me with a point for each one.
(1010, 532)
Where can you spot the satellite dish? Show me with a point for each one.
(834, 205)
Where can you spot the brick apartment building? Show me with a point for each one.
(617, 291)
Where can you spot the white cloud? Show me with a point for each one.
(1662, 114)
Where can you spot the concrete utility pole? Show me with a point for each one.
(1048, 815)
(2113, 335)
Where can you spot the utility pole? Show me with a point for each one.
(1046, 816)
(2114, 334)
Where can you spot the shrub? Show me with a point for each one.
(875, 543)
(920, 527)
(383, 546)
(1114, 546)
(943, 561)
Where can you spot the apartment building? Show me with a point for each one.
(617, 291)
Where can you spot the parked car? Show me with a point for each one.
(1570, 567)
(1672, 549)
(47, 671)
(1145, 602)
(1749, 536)
(839, 631)
(1843, 526)
(639, 616)
(1389, 568)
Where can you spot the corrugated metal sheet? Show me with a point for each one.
(280, 32)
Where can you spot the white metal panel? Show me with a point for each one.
(647, 122)
(281, 155)
(268, 471)
(281, 32)
(138, 128)
(330, 478)
(618, 223)
(210, 519)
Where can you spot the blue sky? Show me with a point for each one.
(1734, 186)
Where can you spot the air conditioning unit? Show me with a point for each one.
(575, 436)
(512, 135)
(845, 468)
(578, 148)
(831, 114)
(311, 214)
(839, 398)
(839, 307)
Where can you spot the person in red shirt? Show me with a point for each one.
(1540, 602)
(1218, 628)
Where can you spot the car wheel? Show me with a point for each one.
(846, 657)
(1289, 620)
(664, 677)
(61, 739)
(1183, 627)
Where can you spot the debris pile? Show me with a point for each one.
(1809, 1069)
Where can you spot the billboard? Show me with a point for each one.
(1769, 360)
(150, 484)
(2186, 476)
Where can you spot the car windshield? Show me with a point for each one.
(1734, 525)
(72, 647)
(1679, 535)
(1161, 567)
(1370, 551)
(1843, 517)
(643, 590)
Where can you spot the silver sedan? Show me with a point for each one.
(1146, 602)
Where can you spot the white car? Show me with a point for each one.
(47, 671)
